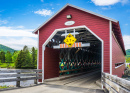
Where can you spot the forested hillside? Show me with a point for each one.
(5, 49)
(127, 56)
(128, 53)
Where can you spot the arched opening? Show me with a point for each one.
(86, 54)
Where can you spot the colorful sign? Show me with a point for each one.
(70, 40)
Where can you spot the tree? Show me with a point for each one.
(34, 57)
(2, 56)
(8, 57)
(128, 59)
(15, 55)
(27, 62)
(19, 60)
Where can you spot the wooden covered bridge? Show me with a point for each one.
(77, 47)
(99, 43)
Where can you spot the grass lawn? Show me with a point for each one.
(7, 65)
(1, 87)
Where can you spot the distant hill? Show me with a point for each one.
(5, 49)
(128, 53)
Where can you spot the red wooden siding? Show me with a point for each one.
(117, 56)
(96, 24)
(51, 63)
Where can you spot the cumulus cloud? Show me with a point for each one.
(108, 2)
(11, 31)
(19, 43)
(126, 39)
(17, 37)
(44, 12)
(3, 22)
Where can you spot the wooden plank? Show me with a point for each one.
(123, 90)
(21, 79)
(122, 82)
(108, 87)
(20, 70)
(18, 75)
(112, 84)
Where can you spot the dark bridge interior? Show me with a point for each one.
(77, 59)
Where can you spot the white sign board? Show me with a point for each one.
(68, 23)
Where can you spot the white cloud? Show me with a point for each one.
(20, 27)
(44, 12)
(18, 44)
(108, 2)
(126, 39)
(17, 37)
(10, 31)
(3, 22)
(42, 0)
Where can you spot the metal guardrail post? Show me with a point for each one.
(18, 82)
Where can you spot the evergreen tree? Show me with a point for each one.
(8, 57)
(15, 55)
(19, 60)
(34, 57)
(27, 63)
(2, 56)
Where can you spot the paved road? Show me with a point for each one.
(80, 84)
(83, 81)
(53, 89)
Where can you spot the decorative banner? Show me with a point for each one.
(70, 40)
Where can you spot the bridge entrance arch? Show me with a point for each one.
(85, 54)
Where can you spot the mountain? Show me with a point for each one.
(128, 53)
(5, 49)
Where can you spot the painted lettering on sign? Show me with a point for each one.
(70, 40)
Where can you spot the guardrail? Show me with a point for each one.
(20, 75)
(115, 84)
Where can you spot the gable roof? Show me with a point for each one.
(78, 9)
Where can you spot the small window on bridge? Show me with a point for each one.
(118, 64)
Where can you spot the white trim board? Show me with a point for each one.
(119, 66)
(99, 15)
(110, 33)
(76, 27)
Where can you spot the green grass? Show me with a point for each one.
(2, 87)
(7, 65)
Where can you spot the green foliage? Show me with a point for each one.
(34, 57)
(15, 55)
(2, 57)
(128, 60)
(1, 87)
(8, 57)
(19, 59)
(27, 62)
(127, 56)
(5, 49)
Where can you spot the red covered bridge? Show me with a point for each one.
(99, 43)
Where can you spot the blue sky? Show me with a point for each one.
(18, 18)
